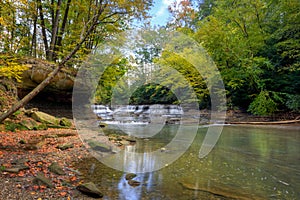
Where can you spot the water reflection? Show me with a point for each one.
(137, 164)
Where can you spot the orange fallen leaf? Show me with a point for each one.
(21, 174)
(36, 187)
(42, 187)
(63, 194)
(59, 187)
(73, 178)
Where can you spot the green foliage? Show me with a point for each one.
(187, 77)
(12, 126)
(293, 102)
(109, 78)
(263, 104)
(152, 94)
(51, 29)
(2, 168)
(256, 48)
(17, 113)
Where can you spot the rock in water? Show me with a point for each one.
(134, 183)
(130, 176)
(90, 189)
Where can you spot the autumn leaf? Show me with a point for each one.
(63, 194)
(73, 178)
(21, 174)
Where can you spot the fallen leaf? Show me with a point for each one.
(21, 174)
(63, 194)
(73, 178)
(36, 187)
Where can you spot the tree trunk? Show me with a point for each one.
(45, 82)
(63, 26)
(40, 8)
(54, 31)
(33, 41)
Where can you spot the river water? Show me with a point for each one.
(247, 163)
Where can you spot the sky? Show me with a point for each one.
(160, 13)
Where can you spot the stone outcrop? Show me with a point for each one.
(60, 89)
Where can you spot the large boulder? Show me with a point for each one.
(60, 88)
(45, 118)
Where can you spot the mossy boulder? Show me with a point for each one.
(65, 122)
(29, 124)
(45, 118)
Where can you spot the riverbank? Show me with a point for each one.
(25, 156)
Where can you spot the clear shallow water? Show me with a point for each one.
(247, 163)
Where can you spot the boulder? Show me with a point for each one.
(134, 183)
(60, 88)
(65, 122)
(130, 176)
(90, 189)
(45, 118)
(29, 124)
(39, 70)
(65, 146)
(55, 168)
(40, 179)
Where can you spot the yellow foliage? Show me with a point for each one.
(2, 22)
(11, 69)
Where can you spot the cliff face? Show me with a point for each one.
(59, 90)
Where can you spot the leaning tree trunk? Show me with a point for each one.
(45, 82)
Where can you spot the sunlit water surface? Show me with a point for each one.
(247, 163)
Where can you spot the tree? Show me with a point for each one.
(56, 25)
(108, 80)
(102, 11)
(255, 46)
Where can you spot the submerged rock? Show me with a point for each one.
(134, 183)
(130, 176)
(90, 189)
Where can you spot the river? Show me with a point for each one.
(248, 162)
